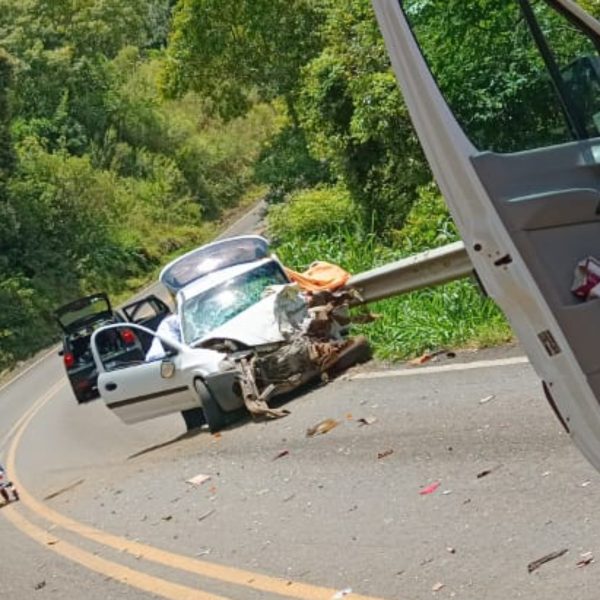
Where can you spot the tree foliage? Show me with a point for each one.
(355, 117)
(233, 51)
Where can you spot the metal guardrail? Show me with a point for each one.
(421, 270)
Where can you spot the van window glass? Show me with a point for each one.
(497, 76)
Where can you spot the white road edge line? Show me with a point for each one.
(414, 371)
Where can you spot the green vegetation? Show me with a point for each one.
(128, 128)
(101, 179)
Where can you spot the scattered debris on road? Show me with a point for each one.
(587, 558)
(199, 479)
(586, 483)
(342, 594)
(68, 488)
(385, 454)
(487, 399)
(322, 427)
(40, 585)
(430, 356)
(437, 586)
(167, 518)
(281, 454)
(536, 564)
(430, 488)
(207, 514)
(366, 421)
(487, 472)
(451, 550)
(424, 358)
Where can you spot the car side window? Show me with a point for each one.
(118, 348)
(518, 74)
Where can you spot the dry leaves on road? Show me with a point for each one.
(429, 356)
(385, 454)
(322, 427)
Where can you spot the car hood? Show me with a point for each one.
(272, 319)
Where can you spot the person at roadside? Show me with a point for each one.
(7, 486)
(169, 329)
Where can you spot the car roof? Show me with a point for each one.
(199, 286)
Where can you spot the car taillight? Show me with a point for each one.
(68, 359)
(127, 336)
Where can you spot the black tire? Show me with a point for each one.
(215, 417)
(194, 418)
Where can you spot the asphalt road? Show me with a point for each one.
(107, 512)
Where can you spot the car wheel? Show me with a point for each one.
(194, 418)
(215, 417)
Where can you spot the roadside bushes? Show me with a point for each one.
(312, 213)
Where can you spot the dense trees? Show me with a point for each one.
(100, 177)
(125, 125)
(233, 51)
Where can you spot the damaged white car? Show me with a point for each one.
(247, 334)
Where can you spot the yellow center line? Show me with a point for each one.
(222, 573)
(116, 571)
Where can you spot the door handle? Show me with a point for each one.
(110, 386)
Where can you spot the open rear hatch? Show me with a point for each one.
(84, 312)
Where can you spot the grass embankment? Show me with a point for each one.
(322, 224)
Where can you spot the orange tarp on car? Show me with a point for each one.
(320, 276)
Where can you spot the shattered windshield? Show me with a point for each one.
(213, 308)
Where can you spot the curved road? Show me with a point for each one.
(106, 510)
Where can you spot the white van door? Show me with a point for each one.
(505, 98)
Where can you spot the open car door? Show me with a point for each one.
(137, 391)
(149, 312)
(505, 98)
